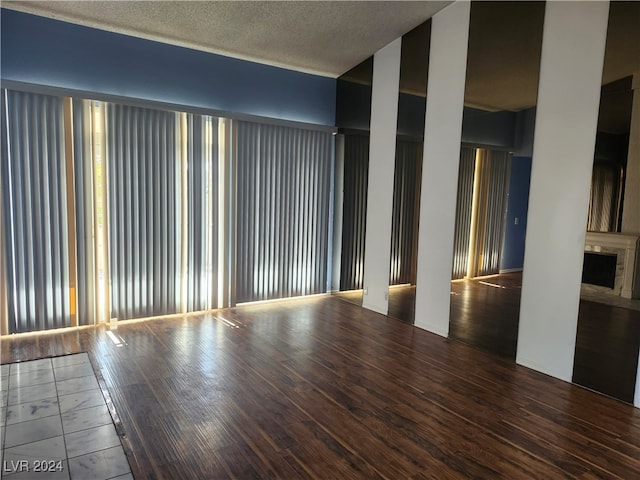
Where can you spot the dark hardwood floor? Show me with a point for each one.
(485, 313)
(320, 388)
(607, 344)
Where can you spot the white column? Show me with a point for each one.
(563, 148)
(382, 154)
(443, 133)
(636, 398)
(630, 211)
(338, 203)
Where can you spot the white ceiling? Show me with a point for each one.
(321, 37)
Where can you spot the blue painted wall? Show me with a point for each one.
(518, 201)
(517, 206)
(60, 54)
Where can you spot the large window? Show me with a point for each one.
(605, 197)
(480, 210)
(283, 192)
(34, 204)
(112, 211)
(356, 175)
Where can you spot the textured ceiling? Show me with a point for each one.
(326, 38)
(329, 38)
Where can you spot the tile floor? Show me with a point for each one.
(53, 418)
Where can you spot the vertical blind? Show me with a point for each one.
(463, 212)
(491, 209)
(35, 211)
(83, 173)
(144, 211)
(356, 177)
(165, 206)
(202, 208)
(406, 210)
(482, 183)
(604, 198)
(283, 192)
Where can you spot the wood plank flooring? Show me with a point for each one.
(607, 344)
(485, 313)
(320, 388)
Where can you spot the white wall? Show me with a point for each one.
(631, 216)
(382, 154)
(443, 132)
(338, 205)
(565, 130)
(632, 193)
(636, 400)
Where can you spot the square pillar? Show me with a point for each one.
(443, 134)
(572, 57)
(382, 157)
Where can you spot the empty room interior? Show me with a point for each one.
(320, 239)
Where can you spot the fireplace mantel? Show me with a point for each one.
(626, 247)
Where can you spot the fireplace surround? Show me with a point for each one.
(627, 276)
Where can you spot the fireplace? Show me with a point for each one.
(599, 269)
(610, 264)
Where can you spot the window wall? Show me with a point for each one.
(35, 205)
(117, 212)
(283, 196)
